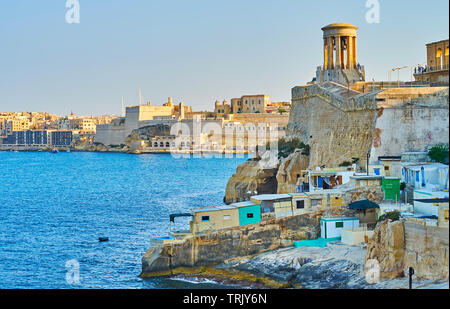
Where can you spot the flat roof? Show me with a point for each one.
(318, 173)
(418, 167)
(270, 197)
(243, 204)
(325, 191)
(437, 194)
(339, 219)
(432, 200)
(213, 208)
(366, 176)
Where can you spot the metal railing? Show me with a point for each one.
(423, 70)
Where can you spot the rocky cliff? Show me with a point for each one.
(289, 171)
(402, 244)
(266, 176)
(255, 176)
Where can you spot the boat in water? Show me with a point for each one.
(54, 150)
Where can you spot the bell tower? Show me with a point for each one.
(339, 55)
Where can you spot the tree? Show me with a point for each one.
(439, 153)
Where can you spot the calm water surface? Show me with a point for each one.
(53, 208)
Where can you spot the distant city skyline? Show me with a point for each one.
(194, 51)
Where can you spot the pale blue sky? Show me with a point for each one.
(196, 51)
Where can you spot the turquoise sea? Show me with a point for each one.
(54, 207)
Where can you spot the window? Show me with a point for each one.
(205, 218)
(300, 204)
(250, 215)
(226, 217)
(316, 202)
(339, 224)
(386, 168)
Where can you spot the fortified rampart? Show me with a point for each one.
(335, 121)
(410, 119)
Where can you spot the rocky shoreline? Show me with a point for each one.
(336, 266)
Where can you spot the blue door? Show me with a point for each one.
(320, 182)
(376, 171)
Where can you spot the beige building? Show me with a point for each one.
(87, 125)
(136, 117)
(437, 69)
(20, 124)
(223, 108)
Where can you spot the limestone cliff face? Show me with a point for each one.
(253, 176)
(403, 244)
(337, 123)
(289, 170)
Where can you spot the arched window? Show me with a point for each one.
(167, 144)
(439, 58)
(156, 144)
(446, 58)
(161, 144)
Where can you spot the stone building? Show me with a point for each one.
(223, 108)
(339, 55)
(340, 122)
(437, 69)
(136, 117)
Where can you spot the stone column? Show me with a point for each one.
(347, 65)
(350, 53)
(354, 51)
(330, 53)
(325, 54)
(337, 41)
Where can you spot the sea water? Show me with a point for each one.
(54, 207)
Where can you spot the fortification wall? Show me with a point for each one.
(336, 129)
(410, 119)
(340, 124)
(111, 135)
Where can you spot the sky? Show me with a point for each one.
(195, 51)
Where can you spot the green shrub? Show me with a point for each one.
(391, 215)
(345, 163)
(402, 185)
(285, 147)
(439, 153)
